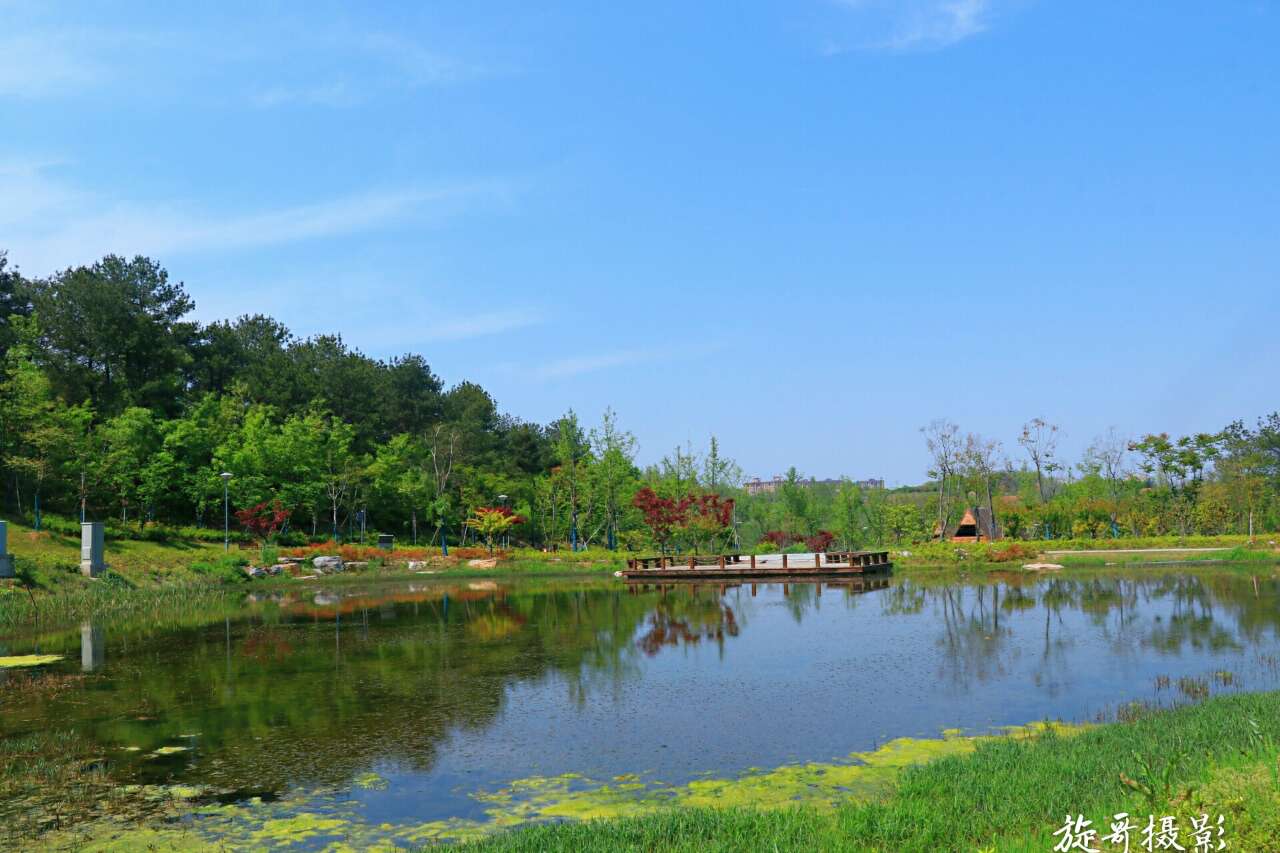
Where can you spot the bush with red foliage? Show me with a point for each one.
(661, 515)
(264, 520)
(504, 511)
(711, 517)
(820, 541)
(778, 538)
(714, 508)
(1010, 552)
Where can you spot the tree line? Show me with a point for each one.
(116, 405)
(1154, 484)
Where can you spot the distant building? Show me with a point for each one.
(756, 486)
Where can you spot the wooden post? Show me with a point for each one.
(722, 562)
(817, 560)
(691, 563)
(784, 562)
(753, 565)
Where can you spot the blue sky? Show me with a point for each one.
(807, 226)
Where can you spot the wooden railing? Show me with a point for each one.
(864, 559)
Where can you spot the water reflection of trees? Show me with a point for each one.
(316, 692)
(973, 622)
(317, 689)
(687, 620)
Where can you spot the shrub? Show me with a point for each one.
(226, 569)
(1009, 553)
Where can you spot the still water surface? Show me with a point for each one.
(447, 690)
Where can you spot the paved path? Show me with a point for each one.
(1138, 551)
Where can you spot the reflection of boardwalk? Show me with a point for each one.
(762, 566)
(851, 585)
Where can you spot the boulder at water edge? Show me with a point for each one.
(325, 565)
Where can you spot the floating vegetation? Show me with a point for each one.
(1132, 711)
(325, 818)
(23, 661)
(1194, 688)
(861, 775)
(370, 782)
(1225, 678)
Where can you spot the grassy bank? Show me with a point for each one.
(1219, 757)
(161, 575)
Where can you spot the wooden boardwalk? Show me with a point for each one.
(757, 566)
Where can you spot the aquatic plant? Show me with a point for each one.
(1007, 794)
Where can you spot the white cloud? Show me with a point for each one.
(42, 65)
(909, 25)
(566, 367)
(49, 224)
(416, 64)
(477, 325)
(335, 94)
(275, 63)
(379, 61)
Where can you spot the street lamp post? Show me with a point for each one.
(226, 511)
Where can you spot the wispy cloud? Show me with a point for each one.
(575, 366)
(565, 368)
(915, 25)
(338, 93)
(418, 64)
(370, 63)
(279, 62)
(37, 65)
(396, 311)
(478, 325)
(50, 223)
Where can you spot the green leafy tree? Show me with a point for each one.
(849, 514)
(115, 334)
(399, 470)
(40, 434)
(130, 440)
(573, 457)
(614, 472)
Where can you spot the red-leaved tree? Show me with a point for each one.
(661, 515)
(263, 520)
(711, 518)
(777, 537)
(820, 541)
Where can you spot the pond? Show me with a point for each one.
(410, 712)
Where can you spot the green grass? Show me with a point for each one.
(190, 573)
(1011, 554)
(1217, 757)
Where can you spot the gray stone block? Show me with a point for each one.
(92, 549)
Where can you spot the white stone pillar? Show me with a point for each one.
(93, 647)
(91, 549)
(6, 559)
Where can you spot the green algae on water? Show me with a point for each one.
(370, 782)
(23, 661)
(312, 819)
